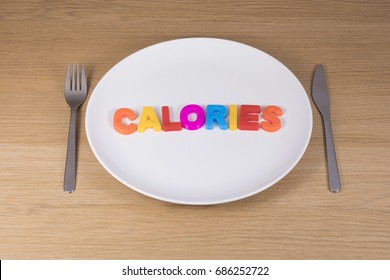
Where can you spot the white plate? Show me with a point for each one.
(201, 166)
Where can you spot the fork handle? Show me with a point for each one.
(70, 166)
(333, 170)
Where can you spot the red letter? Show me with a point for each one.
(249, 117)
(271, 114)
(167, 125)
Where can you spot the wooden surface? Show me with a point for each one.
(298, 218)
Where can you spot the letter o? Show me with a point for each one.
(192, 109)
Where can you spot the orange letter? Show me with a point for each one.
(120, 126)
(271, 114)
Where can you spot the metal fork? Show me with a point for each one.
(75, 94)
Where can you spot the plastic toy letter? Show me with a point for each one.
(167, 125)
(249, 117)
(217, 114)
(192, 109)
(119, 126)
(148, 119)
(233, 117)
(271, 114)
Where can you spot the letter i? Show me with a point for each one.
(233, 117)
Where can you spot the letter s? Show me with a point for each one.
(271, 114)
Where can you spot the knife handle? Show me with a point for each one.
(333, 170)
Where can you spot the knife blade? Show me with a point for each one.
(320, 96)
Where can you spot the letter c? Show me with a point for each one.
(120, 126)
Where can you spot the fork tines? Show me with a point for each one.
(75, 79)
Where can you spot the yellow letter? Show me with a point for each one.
(148, 119)
(233, 117)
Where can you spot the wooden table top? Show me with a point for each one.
(298, 218)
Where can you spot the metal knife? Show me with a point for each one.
(321, 99)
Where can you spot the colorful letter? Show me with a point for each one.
(249, 117)
(119, 126)
(148, 119)
(271, 114)
(167, 125)
(216, 113)
(233, 117)
(192, 109)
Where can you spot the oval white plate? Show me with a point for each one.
(202, 166)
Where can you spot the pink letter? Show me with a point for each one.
(192, 109)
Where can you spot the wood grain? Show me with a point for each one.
(298, 218)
